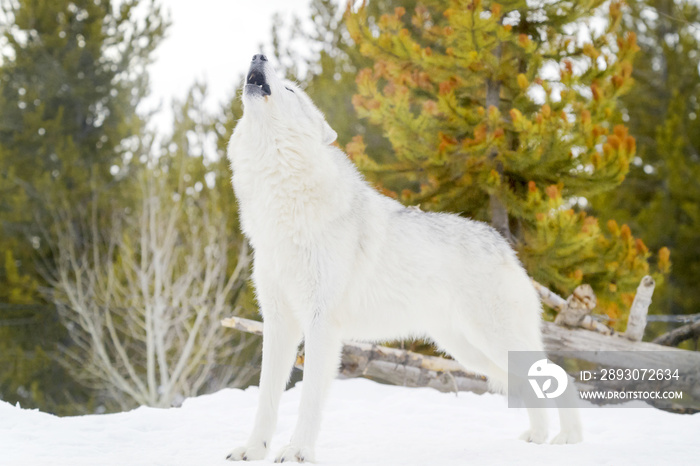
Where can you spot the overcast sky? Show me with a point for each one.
(212, 40)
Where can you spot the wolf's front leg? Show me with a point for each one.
(281, 337)
(322, 347)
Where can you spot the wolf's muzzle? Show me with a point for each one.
(256, 82)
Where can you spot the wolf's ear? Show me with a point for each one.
(329, 135)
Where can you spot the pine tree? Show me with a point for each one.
(504, 114)
(328, 65)
(661, 194)
(71, 76)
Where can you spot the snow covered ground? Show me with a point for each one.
(365, 423)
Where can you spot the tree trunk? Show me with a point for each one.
(499, 213)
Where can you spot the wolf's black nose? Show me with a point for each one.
(259, 57)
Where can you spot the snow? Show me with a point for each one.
(364, 423)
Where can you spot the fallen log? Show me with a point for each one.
(556, 339)
(574, 349)
(391, 365)
(405, 368)
(600, 349)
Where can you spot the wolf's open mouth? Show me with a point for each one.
(257, 78)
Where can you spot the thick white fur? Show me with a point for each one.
(335, 260)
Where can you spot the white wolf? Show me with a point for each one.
(334, 259)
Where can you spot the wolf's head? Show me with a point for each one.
(274, 104)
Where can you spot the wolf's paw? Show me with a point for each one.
(534, 436)
(248, 453)
(295, 453)
(568, 436)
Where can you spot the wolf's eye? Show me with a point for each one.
(289, 90)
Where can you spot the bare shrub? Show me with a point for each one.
(142, 294)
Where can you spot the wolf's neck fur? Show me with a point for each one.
(301, 184)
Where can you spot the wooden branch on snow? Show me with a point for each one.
(392, 365)
(406, 368)
(401, 367)
(573, 335)
(556, 338)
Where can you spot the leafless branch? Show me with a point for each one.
(142, 296)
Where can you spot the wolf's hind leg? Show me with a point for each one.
(569, 417)
(495, 369)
